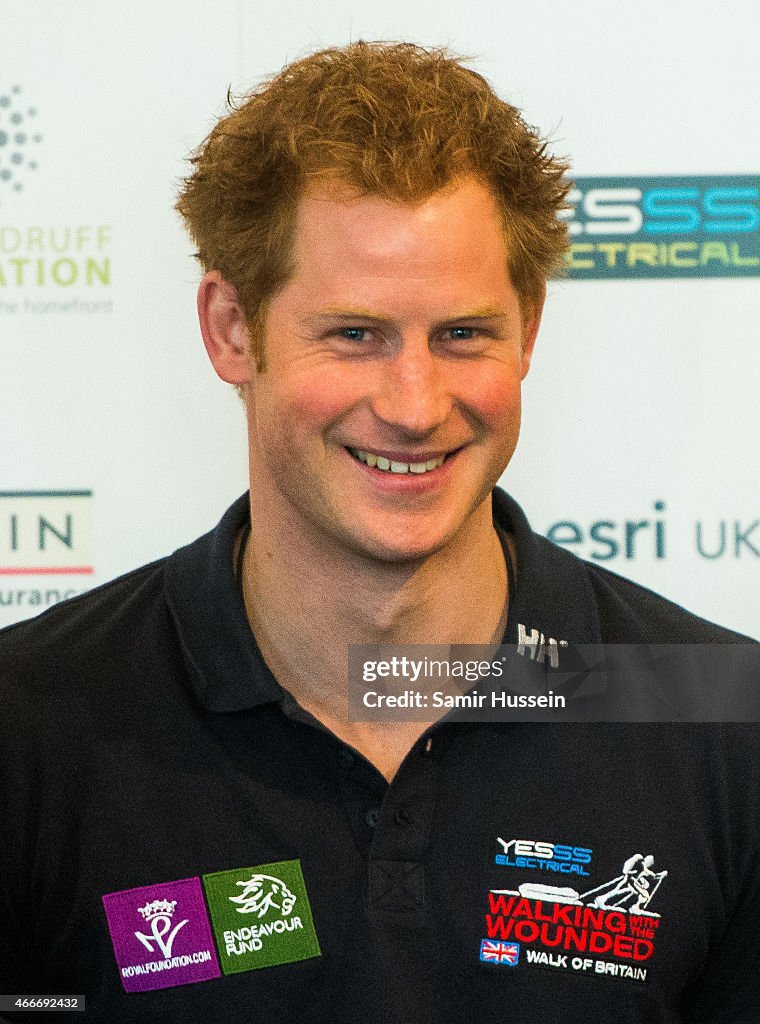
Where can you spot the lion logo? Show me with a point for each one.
(262, 893)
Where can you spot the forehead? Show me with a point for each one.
(337, 226)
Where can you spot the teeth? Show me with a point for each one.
(377, 461)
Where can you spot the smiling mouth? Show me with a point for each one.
(392, 466)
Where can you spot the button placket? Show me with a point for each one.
(362, 791)
(397, 856)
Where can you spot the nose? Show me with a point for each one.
(413, 394)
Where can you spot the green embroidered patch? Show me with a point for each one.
(261, 916)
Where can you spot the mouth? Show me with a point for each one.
(396, 465)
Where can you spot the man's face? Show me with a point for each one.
(390, 402)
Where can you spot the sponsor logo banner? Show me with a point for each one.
(19, 138)
(55, 269)
(610, 929)
(46, 533)
(45, 550)
(48, 268)
(261, 916)
(161, 935)
(533, 855)
(665, 226)
(641, 536)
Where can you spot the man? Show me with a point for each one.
(198, 830)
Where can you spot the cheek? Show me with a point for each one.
(313, 400)
(492, 393)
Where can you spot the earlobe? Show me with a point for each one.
(224, 329)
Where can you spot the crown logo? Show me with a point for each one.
(158, 908)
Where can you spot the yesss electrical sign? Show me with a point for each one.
(705, 226)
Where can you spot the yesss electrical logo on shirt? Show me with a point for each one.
(634, 227)
(541, 856)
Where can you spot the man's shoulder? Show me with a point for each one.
(74, 630)
(71, 670)
(632, 613)
(573, 595)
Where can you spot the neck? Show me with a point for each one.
(297, 579)
(308, 598)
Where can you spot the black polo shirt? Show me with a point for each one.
(181, 843)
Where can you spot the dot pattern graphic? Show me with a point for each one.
(18, 139)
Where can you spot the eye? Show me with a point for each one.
(462, 333)
(354, 333)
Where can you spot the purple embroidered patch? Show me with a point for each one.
(161, 935)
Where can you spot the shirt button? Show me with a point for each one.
(345, 758)
(372, 817)
(401, 817)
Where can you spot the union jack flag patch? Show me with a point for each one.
(504, 953)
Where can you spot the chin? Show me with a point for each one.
(391, 548)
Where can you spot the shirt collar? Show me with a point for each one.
(553, 594)
(227, 671)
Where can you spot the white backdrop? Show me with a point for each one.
(641, 392)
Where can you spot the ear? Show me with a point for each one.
(224, 329)
(530, 330)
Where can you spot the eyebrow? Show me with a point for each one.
(489, 313)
